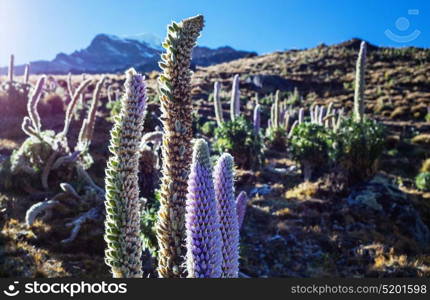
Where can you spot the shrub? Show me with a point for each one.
(208, 128)
(309, 145)
(357, 147)
(147, 225)
(422, 181)
(277, 138)
(237, 138)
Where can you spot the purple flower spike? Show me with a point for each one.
(241, 202)
(224, 192)
(203, 234)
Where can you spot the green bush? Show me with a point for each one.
(357, 147)
(208, 128)
(422, 181)
(114, 108)
(277, 138)
(147, 224)
(238, 138)
(309, 145)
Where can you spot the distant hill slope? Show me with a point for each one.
(111, 54)
(397, 79)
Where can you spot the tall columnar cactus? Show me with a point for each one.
(256, 120)
(360, 84)
(235, 98)
(224, 193)
(204, 244)
(176, 116)
(11, 68)
(122, 225)
(217, 104)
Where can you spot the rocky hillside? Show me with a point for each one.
(397, 80)
(112, 54)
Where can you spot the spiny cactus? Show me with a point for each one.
(204, 244)
(176, 117)
(224, 193)
(360, 84)
(235, 98)
(217, 104)
(122, 225)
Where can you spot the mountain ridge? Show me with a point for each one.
(112, 54)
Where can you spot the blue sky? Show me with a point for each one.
(39, 29)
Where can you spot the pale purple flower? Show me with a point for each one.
(224, 193)
(203, 233)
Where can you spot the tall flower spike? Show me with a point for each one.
(287, 121)
(176, 108)
(275, 119)
(257, 119)
(322, 114)
(359, 84)
(241, 202)
(33, 102)
(204, 256)
(316, 113)
(224, 193)
(217, 104)
(235, 98)
(122, 225)
(11, 68)
(87, 128)
(301, 115)
(75, 97)
(311, 112)
(27, 73)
